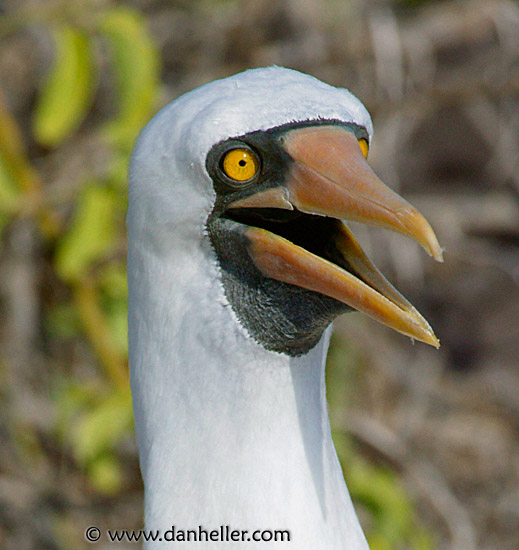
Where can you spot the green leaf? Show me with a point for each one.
(103, 427)
(136, 64)
(114, 287)
(10, 191)
(62, 321)
(381, 492)
(113, 281)
(118, 170)
(72, 399)
(10, 194)
(91, 234)
(105, 474)
(117, 319)
(66, 94)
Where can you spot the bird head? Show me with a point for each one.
(268, 166)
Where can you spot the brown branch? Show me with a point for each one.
(18, 164)
(87, 302)
(425, 479)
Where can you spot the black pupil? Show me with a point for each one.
(242, 162)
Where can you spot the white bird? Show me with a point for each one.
(238, 263)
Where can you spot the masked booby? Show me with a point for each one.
(238, 262)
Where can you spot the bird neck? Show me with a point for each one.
(229, 433)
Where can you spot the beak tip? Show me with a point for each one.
(429, 338)
(436, 253)
(414, 225)
(435, 342)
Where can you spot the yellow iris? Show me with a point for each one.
(240, 164)
(364, 147)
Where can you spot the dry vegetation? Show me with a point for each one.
(441, 80)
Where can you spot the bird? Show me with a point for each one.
(239, 260)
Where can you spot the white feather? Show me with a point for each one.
(229, 433)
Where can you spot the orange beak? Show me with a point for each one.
(330, 177)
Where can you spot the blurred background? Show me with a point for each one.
(429, 440)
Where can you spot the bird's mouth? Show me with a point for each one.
(295, 233)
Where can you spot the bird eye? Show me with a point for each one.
(240, 164)
(364, 147)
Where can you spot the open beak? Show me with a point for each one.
(330, 177)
